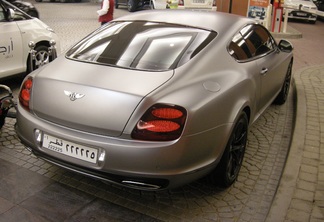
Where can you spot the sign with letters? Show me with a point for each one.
(258, 9)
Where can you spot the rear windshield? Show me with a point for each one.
(142, 45)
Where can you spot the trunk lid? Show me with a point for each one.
(92, 98)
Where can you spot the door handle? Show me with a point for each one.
(264, 71)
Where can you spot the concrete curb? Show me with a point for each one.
(290, 34)
(289, 177)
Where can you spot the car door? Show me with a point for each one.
(11, 50)
(263, 49)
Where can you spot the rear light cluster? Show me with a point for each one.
(25, 92)
(161, 123)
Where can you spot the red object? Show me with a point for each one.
(276, 16)
(24, 96)
(161, 122)
(109, 16)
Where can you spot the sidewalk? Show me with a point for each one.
(300, 196)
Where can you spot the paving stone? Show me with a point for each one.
(302, 205)
(297, 216)
(318, 213)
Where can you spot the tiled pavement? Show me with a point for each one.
(301, 193)
(300, 196)
(33, 190)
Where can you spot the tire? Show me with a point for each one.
(38, 0)
(2, 122)
(42, 58)
(283, 94)
(3, 115)
(3, 112)
(131, 5)
(228, 169)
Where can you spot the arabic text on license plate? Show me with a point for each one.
(70, 149)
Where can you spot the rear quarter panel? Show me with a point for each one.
(213, 87)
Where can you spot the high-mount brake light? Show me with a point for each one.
(25, 92)
(161, 123)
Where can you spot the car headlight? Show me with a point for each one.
(49, 29)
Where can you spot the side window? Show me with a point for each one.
(252, 40)
(238, 48)
(260, 41)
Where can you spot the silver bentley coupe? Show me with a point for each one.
(156, 99)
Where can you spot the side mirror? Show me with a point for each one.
(11, 14)
(285, 46)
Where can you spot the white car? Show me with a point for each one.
(301, 9)
(17, 29)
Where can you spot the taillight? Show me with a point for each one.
(160, 123)
(181, 2)
(25, 92)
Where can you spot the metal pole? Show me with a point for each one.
(230, 6)
(285, 21)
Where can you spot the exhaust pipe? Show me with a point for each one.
(140, 185)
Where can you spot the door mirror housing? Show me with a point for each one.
(285, 46)
(11, 14)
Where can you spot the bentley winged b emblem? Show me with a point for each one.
(73, 95)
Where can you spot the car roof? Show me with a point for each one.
(216, 21)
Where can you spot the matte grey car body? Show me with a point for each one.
(155, 100)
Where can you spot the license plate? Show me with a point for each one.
(198, 1)
(301, 14)
(70, 149)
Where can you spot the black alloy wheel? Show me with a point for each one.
(229, 167)
(283, 94)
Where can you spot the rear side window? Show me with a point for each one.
(251, 41)
(142, 45)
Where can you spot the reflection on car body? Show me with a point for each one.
(166, 99)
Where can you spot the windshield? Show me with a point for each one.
(142, 45)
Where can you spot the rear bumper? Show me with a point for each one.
(137, 164)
